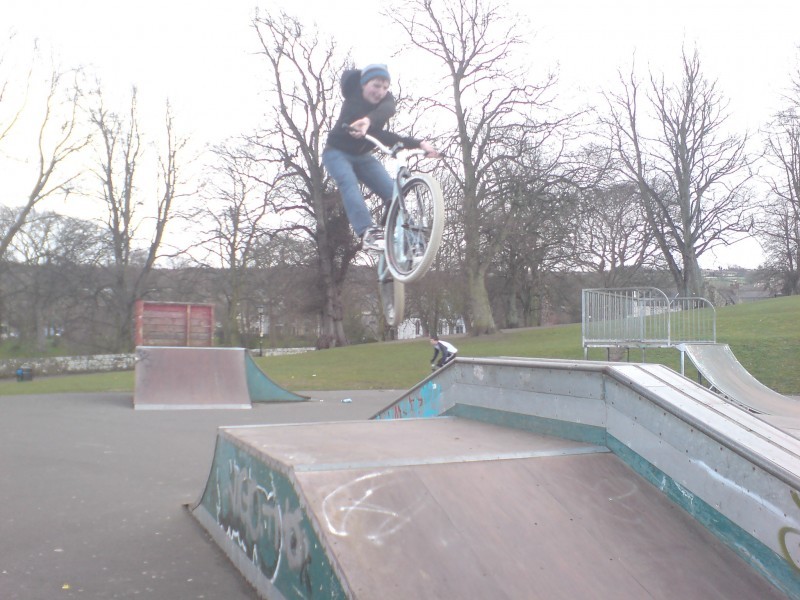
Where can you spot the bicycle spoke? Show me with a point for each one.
(415, 234)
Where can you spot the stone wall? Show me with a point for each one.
(96, 363)
(63, 365)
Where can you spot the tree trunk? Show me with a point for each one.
(693, 284)
(480, 307)
(481, 319)
(234, 337)
(123, 305)
(332, 313)
(332, 327)
(512, 302)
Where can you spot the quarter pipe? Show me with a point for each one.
(168, 377)
(719, 366)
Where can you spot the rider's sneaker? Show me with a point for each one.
(372, 240)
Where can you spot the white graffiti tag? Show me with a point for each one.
(264, 528)
(366, 507)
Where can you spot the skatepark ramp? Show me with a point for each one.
(718, 365)
(516, 478)
(172, 377)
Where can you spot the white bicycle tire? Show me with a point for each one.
(392, 295)
(397, 261)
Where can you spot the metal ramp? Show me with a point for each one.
(718, 365)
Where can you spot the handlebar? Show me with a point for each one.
(390, 151)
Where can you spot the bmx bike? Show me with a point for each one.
(413, 225)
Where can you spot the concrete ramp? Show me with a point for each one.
(201, 378)
(717, 363)
(517, 478)
(453, 508)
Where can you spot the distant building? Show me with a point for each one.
(412, 328)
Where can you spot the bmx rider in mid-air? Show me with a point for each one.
(368, 105)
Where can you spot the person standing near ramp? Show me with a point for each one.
(446, 349)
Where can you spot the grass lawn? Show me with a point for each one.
(764, 336)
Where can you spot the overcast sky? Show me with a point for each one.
(200, 53)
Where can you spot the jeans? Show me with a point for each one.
(446, 359)
(347, 171)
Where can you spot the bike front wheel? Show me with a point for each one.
(392, 294)
(414, 228)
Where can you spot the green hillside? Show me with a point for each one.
(764, 336)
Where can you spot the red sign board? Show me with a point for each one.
(173, 324)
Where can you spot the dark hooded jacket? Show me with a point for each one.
(355, 107)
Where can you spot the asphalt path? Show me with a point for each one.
(93, 494)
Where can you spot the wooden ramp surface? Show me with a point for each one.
(190, 378)
(170, 377)
(451, 508)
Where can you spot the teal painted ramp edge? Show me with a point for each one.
(262, 388)
(255, 514)
(774, 568)
(426, 401)
(577, 432)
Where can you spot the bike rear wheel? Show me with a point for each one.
(392, 294)
(414, 228)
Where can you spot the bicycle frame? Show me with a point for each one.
(402, 171)
(412, 232)
(391, 277)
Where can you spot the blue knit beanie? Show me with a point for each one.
(373, 71)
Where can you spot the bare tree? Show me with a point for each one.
(284, 285)
(537, 237)
(10, 114)
(779, 226)
(691, 174)
(44, 285)
(129, 206)
(779, 231)
(237, 203)
(612, 237)
(49, 150)
(304, 78)
(489, 107)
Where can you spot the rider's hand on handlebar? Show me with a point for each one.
(430, 151)
(358, 129)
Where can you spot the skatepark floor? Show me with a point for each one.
(94, 493)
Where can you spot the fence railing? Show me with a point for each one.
(644, 318)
